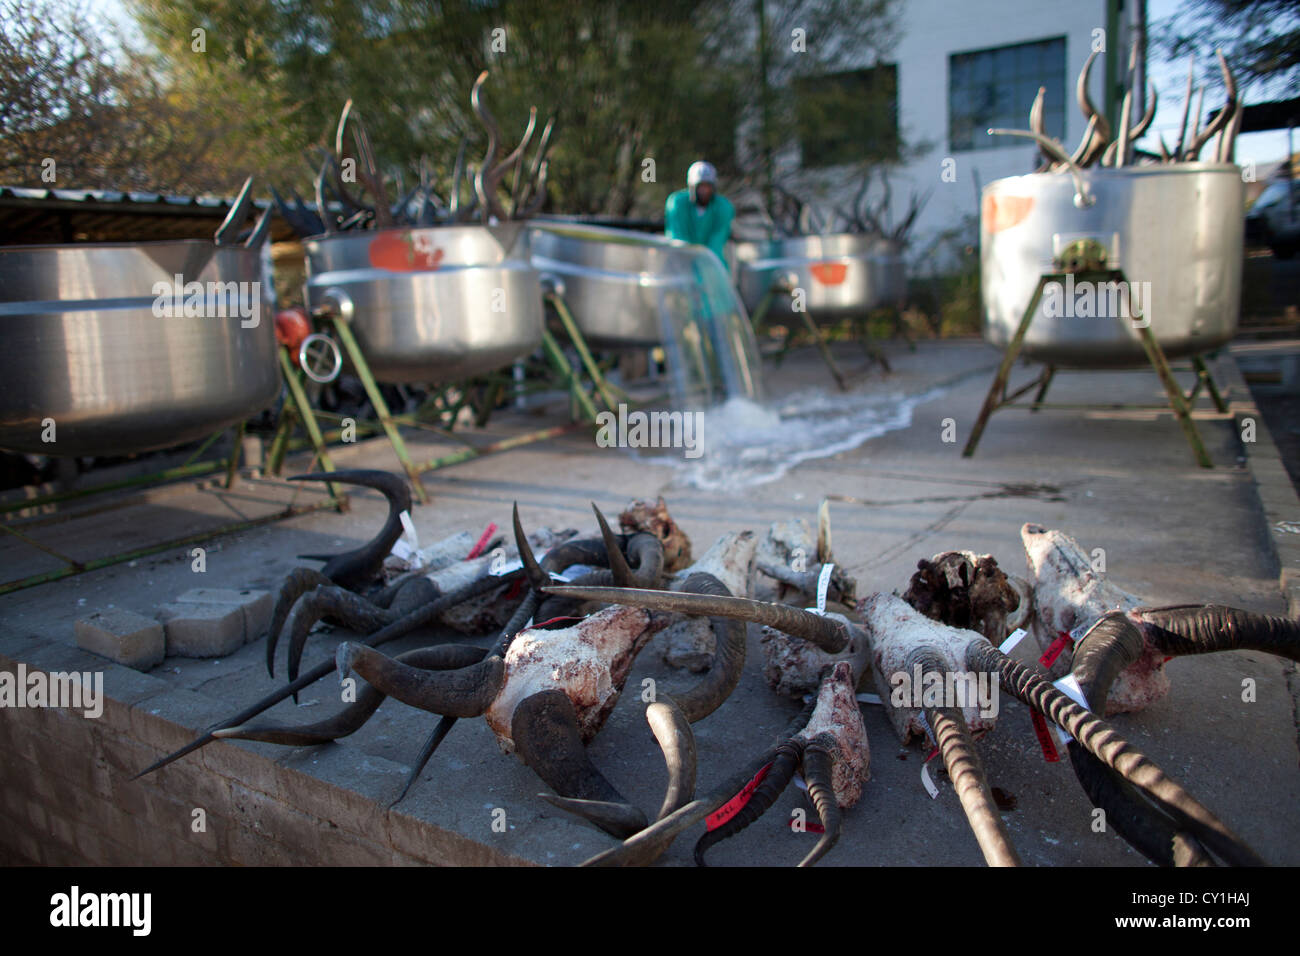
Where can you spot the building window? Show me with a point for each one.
(996, 88)
(848, 117)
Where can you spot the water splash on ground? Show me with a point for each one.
(747, 443)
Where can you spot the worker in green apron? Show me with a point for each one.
(697, 214)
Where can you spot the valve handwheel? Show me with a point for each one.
(319, 358)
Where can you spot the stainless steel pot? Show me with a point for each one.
(429, 305)
(842, 276)
(1175, 231)
(613, 280)
(97, 340)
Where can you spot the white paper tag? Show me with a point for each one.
(823, 585)
(927, 782)
(1069, 686)
(1014, 638)
(870, 699)
(505, 567)
(409, 534)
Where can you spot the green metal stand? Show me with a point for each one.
(818, 336)
(998, 398)
(379, 405)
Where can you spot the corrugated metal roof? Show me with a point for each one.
(35, 215)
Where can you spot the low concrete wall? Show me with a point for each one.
(67, 797)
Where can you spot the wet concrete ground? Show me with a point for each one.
(1124, 481)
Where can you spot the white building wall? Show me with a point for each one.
(931, 30)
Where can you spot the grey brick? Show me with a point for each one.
(202, 630)
(256, 605)
(122, 636)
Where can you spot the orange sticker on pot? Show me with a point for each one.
(1003, 212)
(404, 252)
(830, 273)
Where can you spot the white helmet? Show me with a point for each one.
(701, 172)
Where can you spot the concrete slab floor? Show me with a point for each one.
(1119, 480)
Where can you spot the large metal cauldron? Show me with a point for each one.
(613, 280)
(1177, 229)
(98, 339)
(429, 305)
(842, 276)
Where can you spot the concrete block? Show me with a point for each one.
(123, 636)
(202, 630)
(257, 605)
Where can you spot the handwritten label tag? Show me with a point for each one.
(737, 803)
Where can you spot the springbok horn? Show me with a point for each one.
(1202, 629)
(1101, 740)
(651, 843)
(617, 562)
(1112, 644)
(818, 765)
(466, 692)
(827, 633)
(784, 761)
(545, 731)
(1164, 150)
(352, 717)
(1225, 114)
(965, 769)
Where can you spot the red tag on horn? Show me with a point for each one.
(1050, 753)
(1054, 650)
(737, 803)
(475, 551)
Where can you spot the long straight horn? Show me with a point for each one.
(827, 633)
